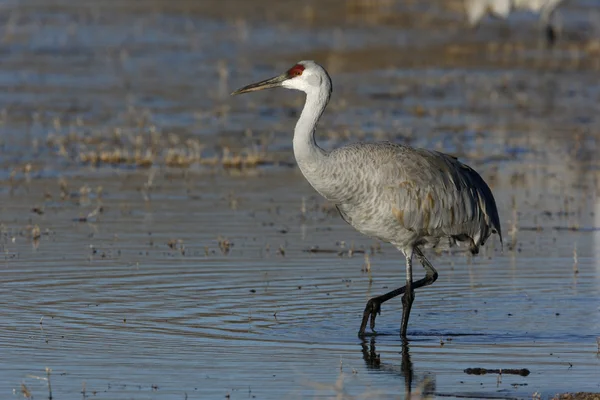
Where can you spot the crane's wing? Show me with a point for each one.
(438, 196)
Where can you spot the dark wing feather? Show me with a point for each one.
(440, 196)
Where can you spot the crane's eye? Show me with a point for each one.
(295, 71)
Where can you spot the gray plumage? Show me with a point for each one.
(411, 198)
(407, 196)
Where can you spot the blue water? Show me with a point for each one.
(196, 283)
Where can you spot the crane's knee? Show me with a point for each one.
(433, 277)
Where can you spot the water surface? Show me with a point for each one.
(182, 278)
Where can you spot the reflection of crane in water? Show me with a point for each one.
(411, 198)
(477, 9)
(373, 361)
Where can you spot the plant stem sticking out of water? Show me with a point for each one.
(367, 267)
(25, 391)
(514, 225)
(303, 209)
(575, 260)
(48, 371)
(224, 245)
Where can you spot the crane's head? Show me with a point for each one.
(307, 76)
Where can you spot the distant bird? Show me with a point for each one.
(411, 198)
(477, 9)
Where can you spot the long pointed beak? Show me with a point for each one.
(266, 84)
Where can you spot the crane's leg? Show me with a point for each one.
(550, 35)
(373, 306)
(431, 274)
(408, 297)
(548, 18)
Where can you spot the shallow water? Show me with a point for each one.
(200, 282)
(111, 304)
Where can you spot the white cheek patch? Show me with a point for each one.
(313, 80)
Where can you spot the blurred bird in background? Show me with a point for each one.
(478, 9)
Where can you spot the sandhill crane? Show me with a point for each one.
(477, 9)
(412, 198)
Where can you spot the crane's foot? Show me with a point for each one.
(372, 309)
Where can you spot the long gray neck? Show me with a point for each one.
(309, 156)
